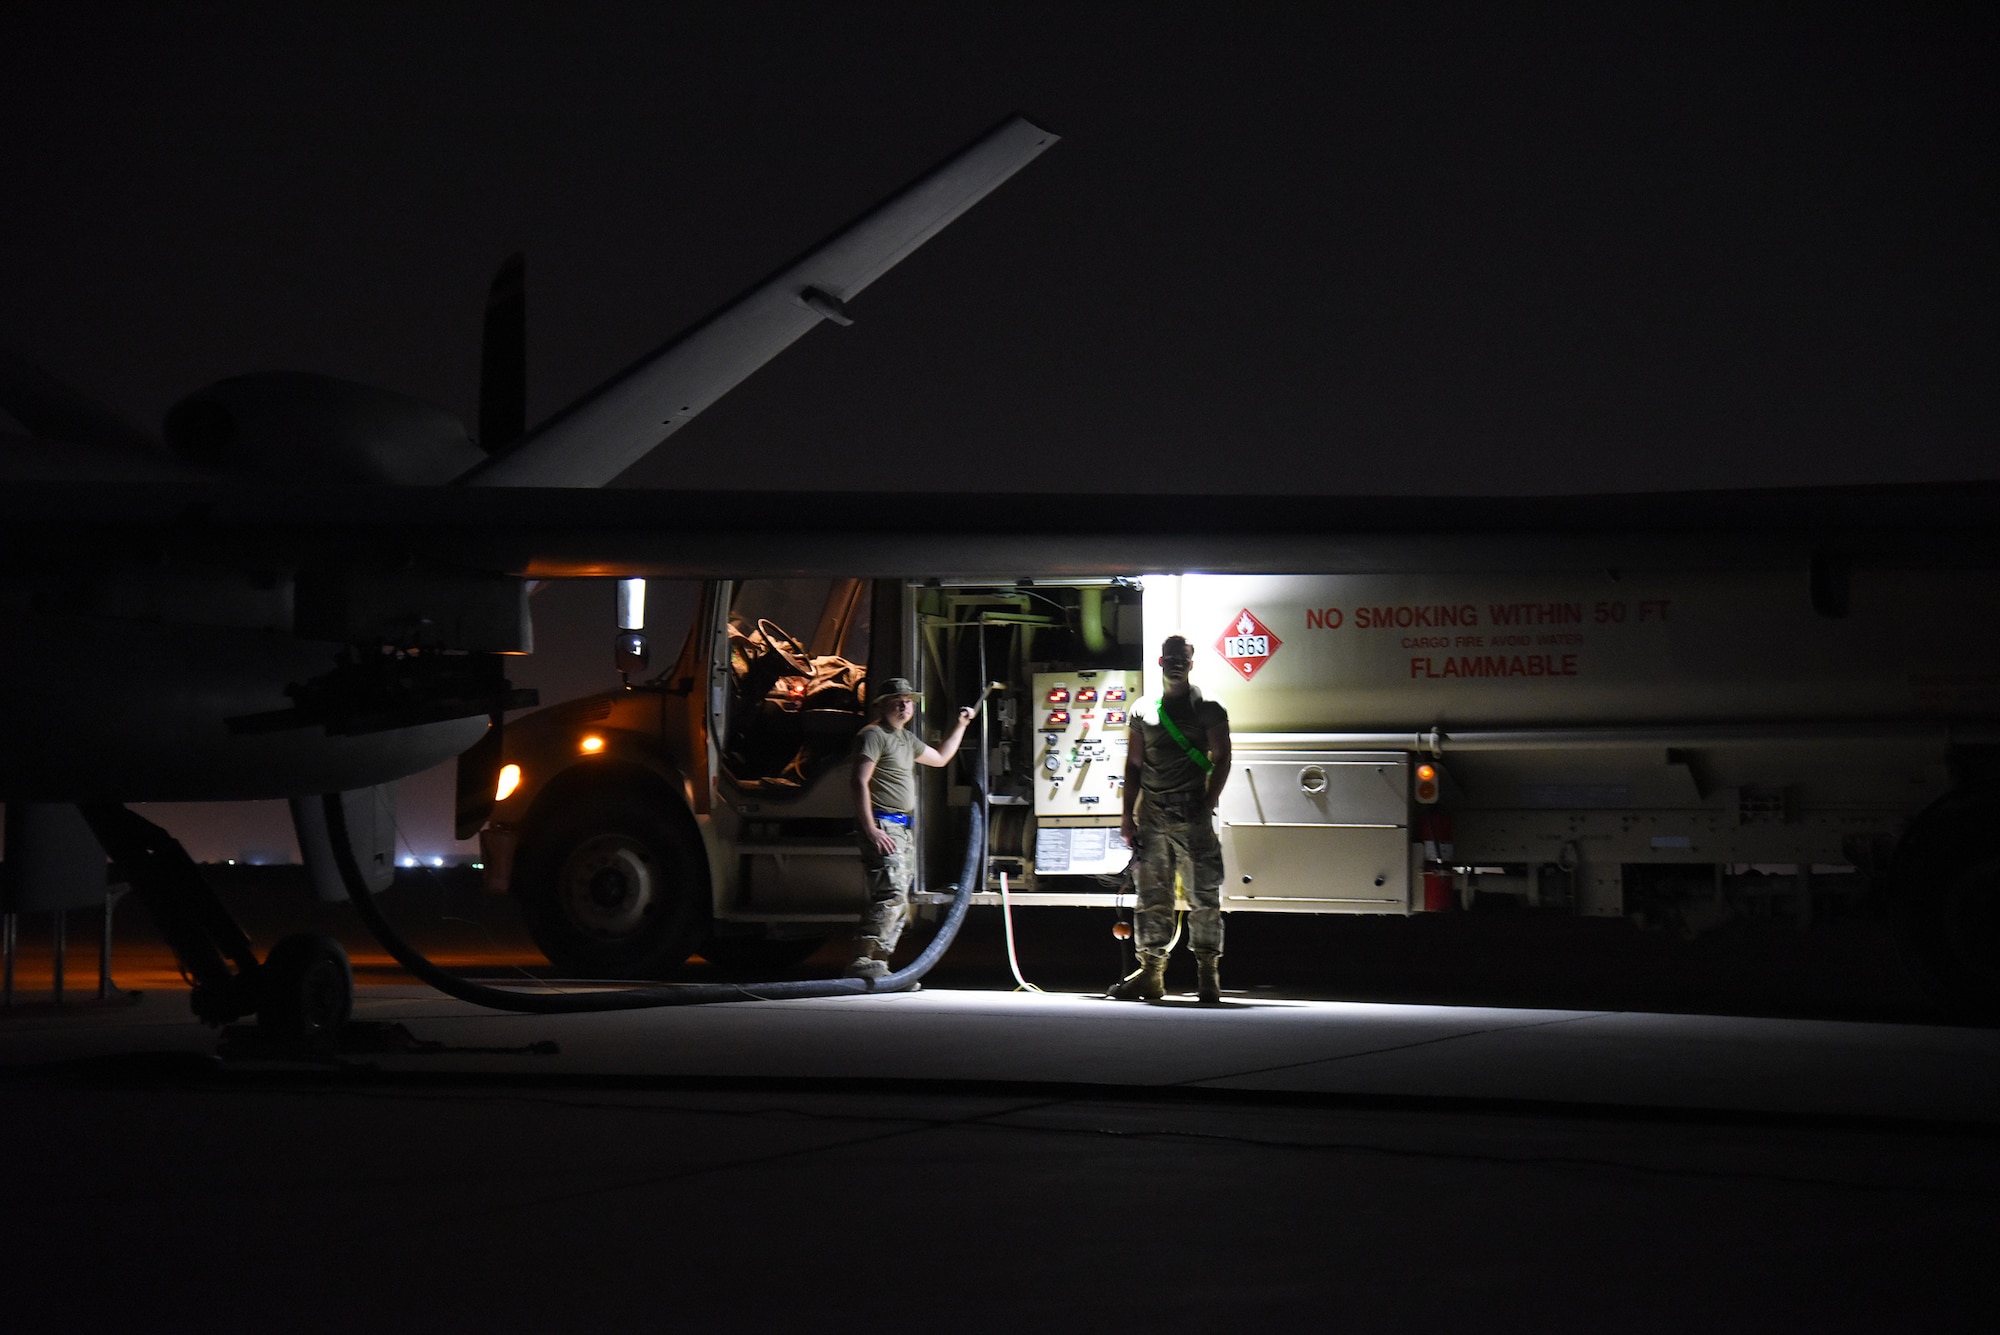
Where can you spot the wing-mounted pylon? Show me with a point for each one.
(609, 430)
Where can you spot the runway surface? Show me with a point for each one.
(973, 1158)
(989, 1161)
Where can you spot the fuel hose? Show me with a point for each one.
(645, 998)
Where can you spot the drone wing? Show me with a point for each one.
(609, 430)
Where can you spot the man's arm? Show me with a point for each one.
(941, 755)
(1135, 770)
(864, 802)
(1218, 756)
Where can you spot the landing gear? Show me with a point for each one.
(301, 993)
(307, 990)
(1946, 879)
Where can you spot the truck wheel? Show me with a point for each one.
(1946, 878)
(612, 888)
(750, 954)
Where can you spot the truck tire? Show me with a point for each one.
(613, 886)
(1946, 880)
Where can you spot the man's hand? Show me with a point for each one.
(1129, 827)
(883, 843)
(941, 755)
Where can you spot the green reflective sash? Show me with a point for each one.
(1200, 758)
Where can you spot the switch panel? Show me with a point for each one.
(1080, 758)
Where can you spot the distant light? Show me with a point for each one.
(437, 862)
(409, 862)
(479, 866)
(232, 862)
(591, 745)
(510, 779)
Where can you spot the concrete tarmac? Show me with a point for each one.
(980, 1160)
(973, 1158)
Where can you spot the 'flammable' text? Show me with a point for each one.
(1495, 665)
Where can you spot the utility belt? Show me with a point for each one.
(893, 818)
(1172, 806)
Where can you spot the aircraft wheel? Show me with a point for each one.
(612, 888)
(1946, 878)
(306, 989)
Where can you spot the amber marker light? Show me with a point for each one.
(1427, 783)
(591, 745)
(510, 779)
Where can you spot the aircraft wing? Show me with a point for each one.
(614, 427)
(546, 533)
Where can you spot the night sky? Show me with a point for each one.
(1360, 249)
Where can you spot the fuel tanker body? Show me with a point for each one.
(1596, 649)
(1677, 746)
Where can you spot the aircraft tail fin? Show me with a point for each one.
(612, 428)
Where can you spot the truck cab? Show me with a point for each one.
(705, 808)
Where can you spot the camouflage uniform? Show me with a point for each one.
(1172, 840)
(1175, 836)
(890, 876)
(892, 792)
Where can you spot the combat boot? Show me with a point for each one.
(1208, 976)
(872, 962)
(1148, 982)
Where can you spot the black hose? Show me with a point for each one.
(643, 998)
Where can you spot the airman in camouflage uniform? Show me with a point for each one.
(1171, 786)
(886, 753)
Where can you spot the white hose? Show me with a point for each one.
(1013, 961)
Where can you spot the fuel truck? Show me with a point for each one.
(1676, 745)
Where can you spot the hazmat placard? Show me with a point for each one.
(1247, 644)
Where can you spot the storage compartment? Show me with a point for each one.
(1317, 831)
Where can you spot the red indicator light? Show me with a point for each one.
(1059, 695)
(1087, 696)
(1058, 718)
(1425, 773)
(1114, 694)
(1113, 717)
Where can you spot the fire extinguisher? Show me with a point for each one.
(1434, 832)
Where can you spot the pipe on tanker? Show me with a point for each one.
(1436, 743)
(1092, 618)
(646, 998)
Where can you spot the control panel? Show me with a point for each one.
(1079, 722)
